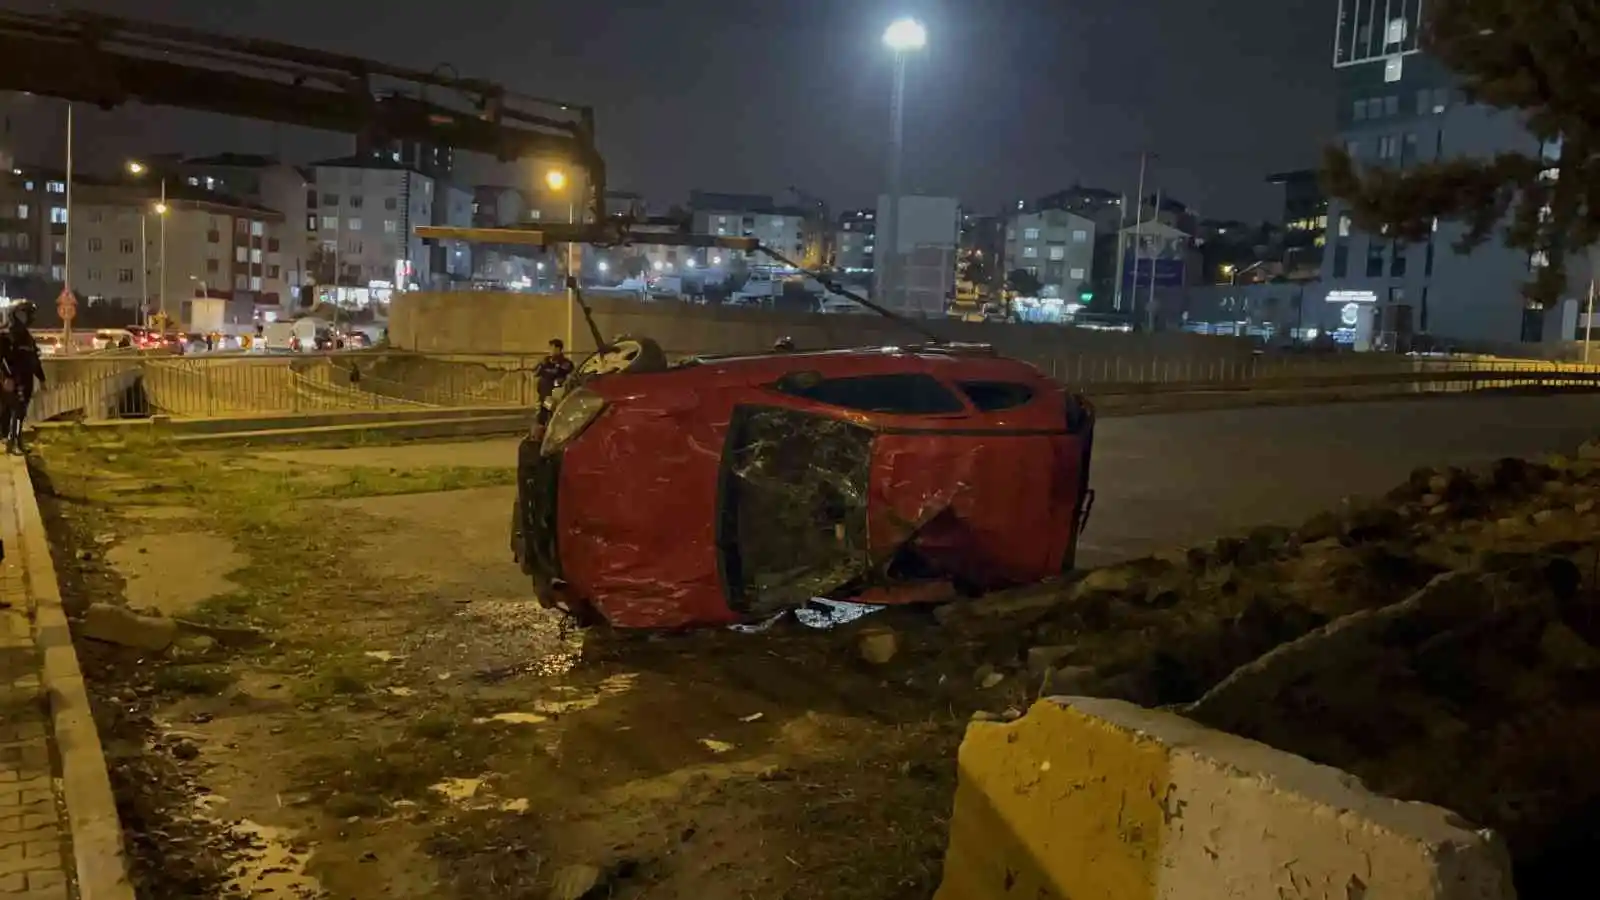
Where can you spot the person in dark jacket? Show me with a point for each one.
(20, 367)
(552, 373)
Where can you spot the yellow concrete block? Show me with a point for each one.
(1088, 799)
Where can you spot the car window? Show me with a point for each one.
(993, 396)
(911, 395)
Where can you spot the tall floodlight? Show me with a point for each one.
(904, 37)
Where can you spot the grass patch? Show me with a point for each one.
(199, 680)
(403, 769)
(232, 609)
(433, 726)
(337, 675)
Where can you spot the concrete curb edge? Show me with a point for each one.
(95, 830)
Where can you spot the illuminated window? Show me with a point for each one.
(1075, 274)
(58, 215)
(1030, 234)
(1080, 236)
(1058, 252)
(1030, 252)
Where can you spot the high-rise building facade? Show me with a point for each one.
(1399, 107)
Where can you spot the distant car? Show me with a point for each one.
(726, 490)
(112, 338)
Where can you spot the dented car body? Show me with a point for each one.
(726, 490)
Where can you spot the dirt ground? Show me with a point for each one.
(409, 724)
(374, 706)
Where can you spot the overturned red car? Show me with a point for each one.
(727, 490)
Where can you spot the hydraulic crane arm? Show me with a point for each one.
(108, 61)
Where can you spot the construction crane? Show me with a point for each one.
(108, 61)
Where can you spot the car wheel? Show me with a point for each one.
(626, 355)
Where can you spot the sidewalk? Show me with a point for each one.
(60, 838)
(33, 845)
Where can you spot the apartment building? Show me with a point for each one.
(213, 248)
(793, 231)
(855, 241)
(366, 210)
(33, 217)
(264, 182)
(1055, 246)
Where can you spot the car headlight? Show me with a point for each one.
(576, 411)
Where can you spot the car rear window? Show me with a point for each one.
(993, 396)
(911, 395)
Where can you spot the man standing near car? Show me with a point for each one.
(20, 366)
(552, 373)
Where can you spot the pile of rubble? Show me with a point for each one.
(1440, 643)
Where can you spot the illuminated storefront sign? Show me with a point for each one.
(1352, 297)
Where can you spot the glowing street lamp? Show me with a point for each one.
(555, 180)
(904, 35)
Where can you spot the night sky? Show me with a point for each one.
(1011, 98)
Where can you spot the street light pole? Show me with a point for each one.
(574, 266)
(1138, 239)
(139, 169)
(66, 274)
(889, 280)
(161, 210)
(903, 36)
(556, 180)
(144, 268)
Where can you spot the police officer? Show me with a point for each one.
(552, 373)
(20, 366)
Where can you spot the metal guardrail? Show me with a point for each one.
(109, 386)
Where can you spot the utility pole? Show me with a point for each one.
(1150, 304)
(1122, 252)
(67, 305)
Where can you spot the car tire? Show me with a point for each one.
(641, 355)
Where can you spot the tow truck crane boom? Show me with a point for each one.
(108, 61)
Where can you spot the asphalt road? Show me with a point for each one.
(1176, 479)
(1171, 480)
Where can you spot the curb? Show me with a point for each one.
(95, 831)
(436, 429)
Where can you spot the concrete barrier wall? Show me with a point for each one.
(1094, 799)
(493, 322)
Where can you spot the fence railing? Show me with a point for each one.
(212, 386)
